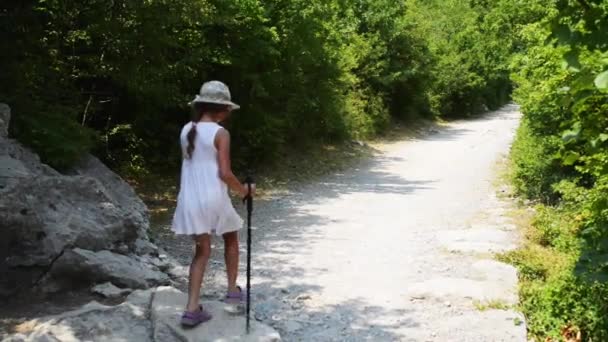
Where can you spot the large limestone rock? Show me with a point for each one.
(44, 215)
(57, 229)
(150, 315)
(77, 265)
(114, 187)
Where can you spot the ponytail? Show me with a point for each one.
(191, 136)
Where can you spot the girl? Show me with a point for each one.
(203, 203)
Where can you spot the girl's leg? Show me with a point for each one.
(231, 256)
(197, 270)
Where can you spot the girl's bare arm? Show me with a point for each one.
(222, 143)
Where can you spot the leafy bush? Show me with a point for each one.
(553, 294)
(534, 170)
(560, 158)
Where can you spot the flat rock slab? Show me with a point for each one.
(168, 305)
(495, 271)
(461, 288)
(146, 316)
(93, 322)
(481, 240)
(482, 326)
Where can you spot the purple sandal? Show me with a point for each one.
(192, 319)
(235, 302)
(236, 298)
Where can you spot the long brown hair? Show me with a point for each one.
(201, 109)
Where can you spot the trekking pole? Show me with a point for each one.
(249, 201)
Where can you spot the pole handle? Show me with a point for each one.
(248, 199)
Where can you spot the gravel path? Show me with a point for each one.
(398, 249)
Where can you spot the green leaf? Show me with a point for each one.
(570, 158)
(569, 136)
(572, 62)
(601, 81)
(562, 33)
(584, 82)
(572, 134)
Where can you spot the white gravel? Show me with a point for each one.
(397, 249)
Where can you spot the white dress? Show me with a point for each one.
(203, 203)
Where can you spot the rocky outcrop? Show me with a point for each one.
(59, 231)
(93, 322)
(150, 315)
(81, 265)
(114, 187)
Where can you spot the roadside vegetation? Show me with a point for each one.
(560, 162)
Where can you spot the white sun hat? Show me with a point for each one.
(215, 92)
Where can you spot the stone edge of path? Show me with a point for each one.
(145, 315)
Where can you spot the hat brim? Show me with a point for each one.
(232, 105)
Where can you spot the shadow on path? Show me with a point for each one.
(282, 226)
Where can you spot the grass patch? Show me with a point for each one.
(494, 304)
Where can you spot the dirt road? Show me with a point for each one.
(397, 249)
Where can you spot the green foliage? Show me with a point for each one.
(534, 171)
(565, 301)
(116, 76)
(61, 142)
(561, 159)
(553, 294)
(470, 51)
